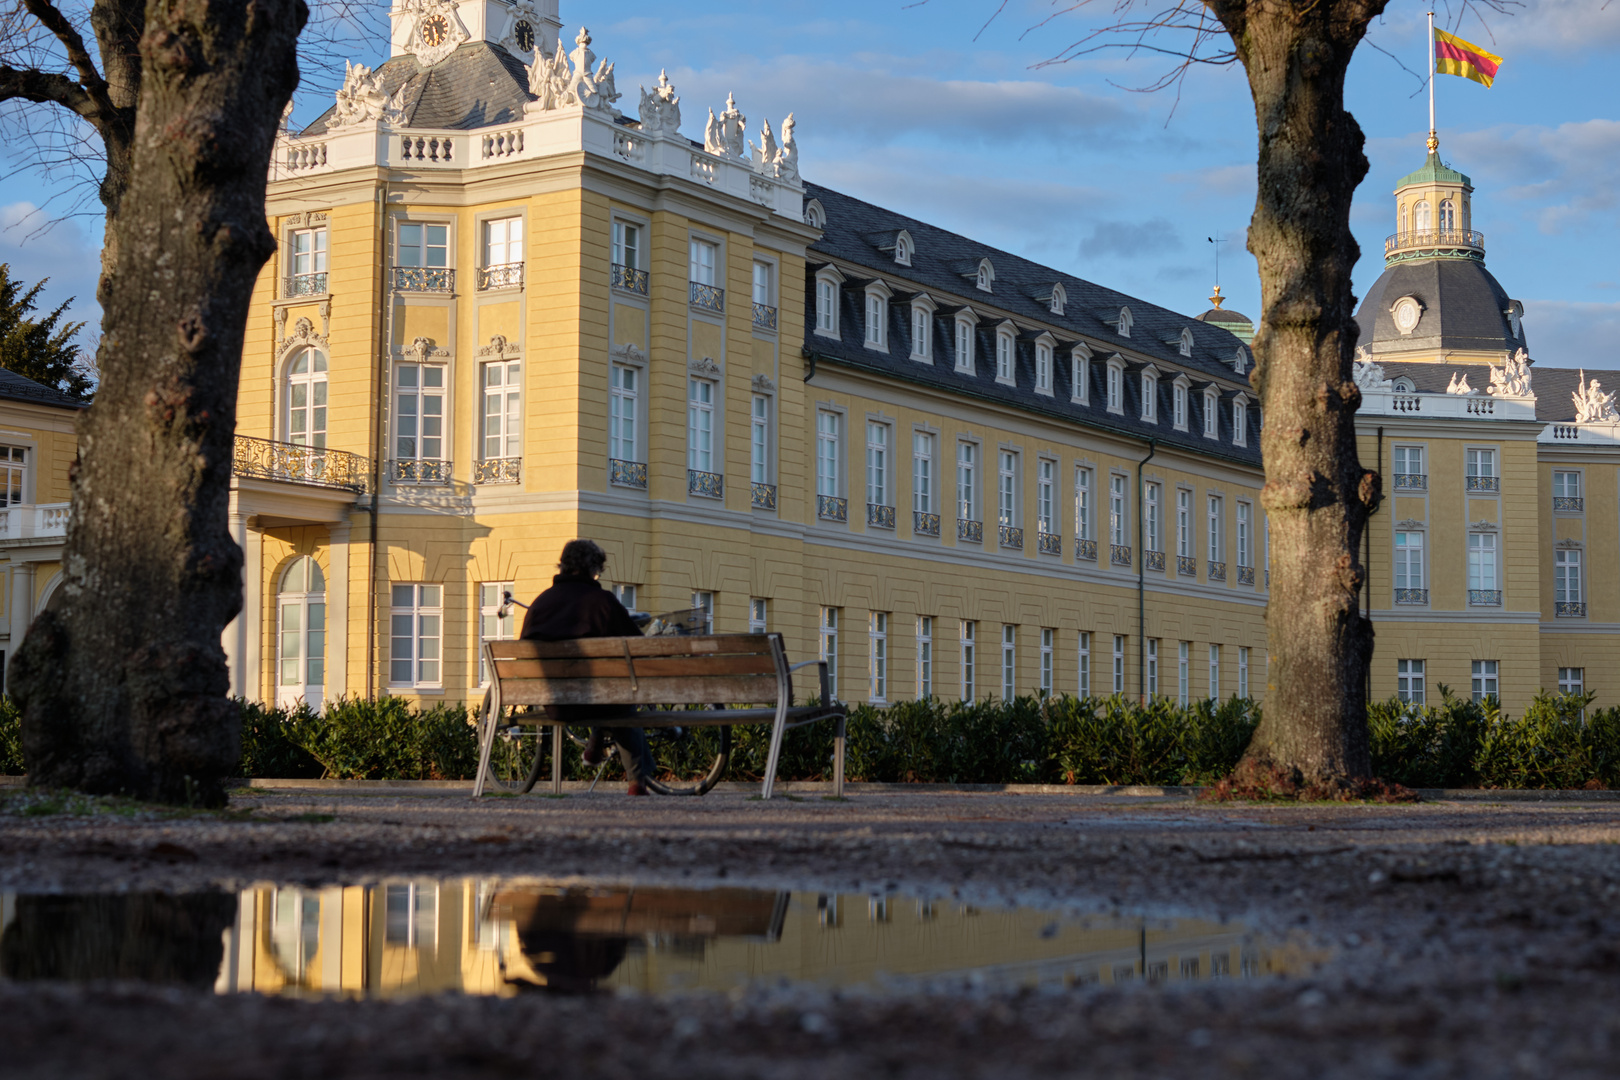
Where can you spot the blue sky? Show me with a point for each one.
(914, 107)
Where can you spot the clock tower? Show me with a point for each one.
(431, 30)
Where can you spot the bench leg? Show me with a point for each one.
(486, 740)
(838, 759)
(778, 729)
(556, 758)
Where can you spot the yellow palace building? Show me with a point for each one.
(506, 312)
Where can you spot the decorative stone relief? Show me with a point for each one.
(1370, 376)
(500, 348)
(423, 348)
(661, 109)
(326, 317)
(564, 79)
(1592, 405)
(725, 135)
(628, 353)
(1483, 526)
(281, 325)
(303, 336)
(704, 366)
(763, 384)
(1568, 545)
(1409, 524)
(1458, 385)
(1512, 379)
(361, 99)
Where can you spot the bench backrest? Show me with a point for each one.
(729, 669)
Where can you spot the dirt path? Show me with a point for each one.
(1468, 940)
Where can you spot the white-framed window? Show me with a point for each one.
(1215, 672)
(1448, 215)
(903, 248)
(1150, 398)
(419, 413)
(1005, 345)
(301, 633)
(1184, 344)
(764, 292)
(703, 257)
(421, 244)
(306, 391)
(922, 472)
(1043, 367)
(1007, 488)
(1059, 297)
(1009, 661)
(1422, 216)
(1217, 528)
(877, 464)
(627, 246)
(1484, 680)
(1178, 405)
(1567, 576)
(410, 916)
(925, 656)
(829, 430)
(13, 474)
(828, 636)
(704, 602)
(1572, 680)
(1408, 560)
(1080, 375)
(1116, 387)
(759, 440)
(624, 406)
(1117, 533)
(1082, 503)
(1045, 496)
(922, 333)
(503, 409)
(1243, 671)
(700, 425)
(1409, 681)
(985, 280)
(625, 594)
(1240, 423)
(965, 332)
(969, 643)
(1482, 562)
(1481, 463)
(308, 263)
(495, 626)
(759, 610)
(1119, 663)
(1244, 555)
(1409, 464)
(1124, 322)
(1150, 514)
(416, 630)
(1152, 660)
(826, 307)
(1084, 650)
(878, 667)
(1183, 673)
(1048, 640)
(1566, 485)
(877, 320)
(1184, 540)
(503, 241)
(967, 481)
(1212, 416)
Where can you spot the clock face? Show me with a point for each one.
(524, 33)
(435, 28)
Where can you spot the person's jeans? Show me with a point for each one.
(634, 755)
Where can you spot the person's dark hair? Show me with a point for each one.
(582, 558)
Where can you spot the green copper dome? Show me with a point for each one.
(1434, 172)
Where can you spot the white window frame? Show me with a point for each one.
(505, 249)
(1411, 569)
(1180, 403)
(985, 279)
(967, 481)
(420, 396)
(1572, 680)
(624, 411)
(301, 648)
(924, 474)
(969, 633)
(1123, 323)
(877, 316)
(1212, 414)
(967, 330)
(14, 485)
(879, 459)
(904, 248)
(1405, 457)
(1006, 355)
(878, 657)
(506, 396)
(1082, 503)
(1243, 672)
(1152, 660)
(1048, 641)
(1484, 680)
(1150, 513)
(1116, 385)
(829, 453)
(1044, 365)
(1480, 461)
(1568, 587)
(1150, 395)
(703, 261)
(315, 412)
(1080, 375)
(1483, 562)
(759, 613)
(1046, 496)
(1567, 484)
(1009, 661)
(1240, 421)
(625, 249)
(422, 609)
(759, 439)
(1409, 681)
(925, 656)
(1183, 673)
(1184, 540)
(307, 255)
(922, 330)
(704, 602)
(1119, 663)
(764, 283)
(702, 420)
(492, 624)
(1184, 344)
(1083, 657)
(1245, 512)
(1007, 488)
(1214, 672)
(827, 286)
(423, 249)
(1119, 531)
(1216, 510)
(828, 638)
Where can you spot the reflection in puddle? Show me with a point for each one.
(487, 936)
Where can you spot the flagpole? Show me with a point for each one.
(1434, 141)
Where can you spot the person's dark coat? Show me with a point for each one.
(577, 607)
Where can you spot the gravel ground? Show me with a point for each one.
(1472, 940)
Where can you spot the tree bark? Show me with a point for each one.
(1317, 495)
(122, 680)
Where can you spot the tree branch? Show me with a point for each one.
(47, 88)
(90, 80)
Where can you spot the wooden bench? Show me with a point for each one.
(747, 670)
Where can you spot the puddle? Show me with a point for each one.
(486, 936)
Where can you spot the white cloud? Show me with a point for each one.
(35, 247)
(1566, 334)
(1131, 239)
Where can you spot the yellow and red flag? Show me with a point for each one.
(1454, 56)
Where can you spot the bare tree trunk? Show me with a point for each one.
(1317, 495)
(122, 681)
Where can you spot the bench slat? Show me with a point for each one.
(706, 718)
(732, 689)
(586, 648)
(649, 667)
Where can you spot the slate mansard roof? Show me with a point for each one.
(943, 266)
(1554, 387)
(477, 85)
(1464, 307)
(15, 387)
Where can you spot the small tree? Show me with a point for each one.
(41, 349)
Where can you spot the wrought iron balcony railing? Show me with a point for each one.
(1048, 543)
(1484, 483)
(1484, 597)
(1411, 481)
(1186, 566)
(1245, 575)
(1119, 554)
(879, 515)
(419, 471)
(629, 279)
(502, 276)
(1152, 560)
(1568, 504)
(264, 459)
(924, 524)
(832, 508)
(500, 470)
(970, 530)
(707, 484)
(305, 285)
(1217, 571)
(1411, 596)
(1569, 609)
(424, 279)
(1010, 536)
(764, 317)
(630, 474)
(762, 496)
(1435, 238)
(1085, 549)
(708, 297)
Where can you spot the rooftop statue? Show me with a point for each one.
(1592, 405)
(361, 98)
(661, 109)
(725, 135)
(1459, 385)
(765, 152)
(1512, 379)
(787, 158)
(564, 79)
(1368, 375)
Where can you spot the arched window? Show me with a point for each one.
(301, 633)
(1421, 217)
(1402, 224)
(306, 399)
(1448, 216)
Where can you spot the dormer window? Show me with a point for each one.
(1180, 405)
(1150, 395)
(877, 316)
(966, 326)
(1043, 364)
(1212, 415)
(903, 248)
(1185, 343)
(1006, 346)
(1116, 384)
(1080, 373)
(985, 280)
(814, 215)
(1240, 421)
(1123, 323)
(1240, 360)
(922, 329)
(1403, 385)
(1057, 298)
(828, 281)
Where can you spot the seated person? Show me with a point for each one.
(576, 606)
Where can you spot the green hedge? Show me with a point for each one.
(1560, 742)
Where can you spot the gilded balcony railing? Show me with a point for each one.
(707, 484)
(1484, 597)
(630, 474)
(1049, 543)
(265, 459)
(1186, 566)
(501, 470)
(1411, 596)
(1217, 571)
(762, 496)
(880, 516)
(1484, 483)
(424, 279)
(501, 276)
(419, 471)
(305, 285)
(1152, 560)
(1245, 575)
(1457, 239)
(970, 530)
(1566, 504)
(924, 524)
(1086, 549)
(832, 508)
(1409, 481)
(708, 297)
(1010, 536)
(629, 279)
(1569, 609)
(764, 317)
(1119, 554)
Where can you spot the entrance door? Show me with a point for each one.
(301, 634)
